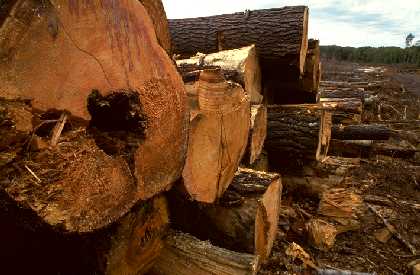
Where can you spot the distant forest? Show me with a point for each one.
(382, 55)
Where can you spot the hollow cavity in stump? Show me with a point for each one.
(118, 123)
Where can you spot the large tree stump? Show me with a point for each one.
(100, 62)
(279, 34)
(296, 135)
(218, 137)
(244, 220)
(238, 65)
(128, 246)
(185, 255)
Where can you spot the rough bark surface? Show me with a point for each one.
(296, 135)
(361, 132)
(185, 255)
(279, 34)
(218, 137)
(99, 49)
(238, 65)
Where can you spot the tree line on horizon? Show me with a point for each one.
(381, 55)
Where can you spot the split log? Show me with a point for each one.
(218, 137)
(238, 65)
(244, 220)
(296, 135)
(116, 82)
(361, 132)
(279, 34)
(311, 78)
(157, 13)
(321, 234)
(184, 255)
(128, 246)
(257, 134)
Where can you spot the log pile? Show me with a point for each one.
(103, 155)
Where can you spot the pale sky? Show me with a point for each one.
(346, 23)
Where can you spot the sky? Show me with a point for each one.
(354, 23)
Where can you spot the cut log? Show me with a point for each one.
(279, 34)
(238, 65)
(350, 106)
(78, 187)
(342, 94)
(361, 132)
(117, 82)
(184, 255)
(311, 78)
(370, 148)
(218, 137)
(257, 134)
(296, 135)
(347, 105)
(294, 88)
(157, 13)
(128, 246)
(244, 220)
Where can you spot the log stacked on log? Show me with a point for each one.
(93, 126)
(237, 65)
(88, 146)
(185, 255)
(297, 134)
(218, 137)
(244, 220)
(287, 45)
(312, 76)
(279, 35)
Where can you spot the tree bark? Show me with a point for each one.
(157, 13)
(244, 220)
(218, 137)
(257, 134)
(238, 65)
(94, 60)
(185, 255)
(128, 246)
(279, 34)
(368, 148)
(296, 135)
(361, 132)
(340, 93)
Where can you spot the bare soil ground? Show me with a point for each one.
(390, 185)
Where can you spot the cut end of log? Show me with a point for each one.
(304, 45)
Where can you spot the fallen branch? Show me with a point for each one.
(392, 229)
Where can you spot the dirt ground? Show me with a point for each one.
(389, 186)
